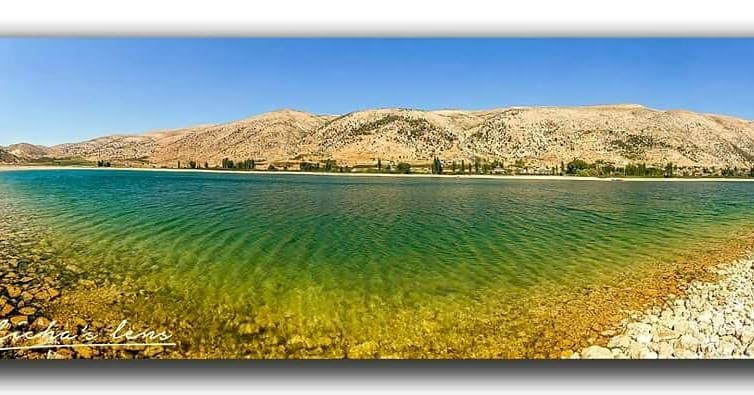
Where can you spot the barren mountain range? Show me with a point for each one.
(545, 136)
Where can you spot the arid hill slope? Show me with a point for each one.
(7, 157)
(538, 135)
(26, 151)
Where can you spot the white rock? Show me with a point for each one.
(648, 355)
(666, 316)
(681, 326)
(747, 334)
(665, 333)
(688, 342)
(596, 352)
(636, 350)
(664, 350)
(686, 354)
(725, 349)
(638, 328)
(718, 321)
(644, 338)
(620, 341)
(706, 328)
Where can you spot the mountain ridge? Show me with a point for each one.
(540, 136)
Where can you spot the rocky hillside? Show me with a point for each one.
(274, 136)
(538, 135)
(25, 151)
(7, 157)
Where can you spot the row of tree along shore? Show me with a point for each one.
(575, 167)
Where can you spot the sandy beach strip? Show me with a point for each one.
(394, 175)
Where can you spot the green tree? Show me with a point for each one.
(436, 166)
(404, 168)
(486, 168)
(229, 164)
(669, 170)
(574, 166)
(247, 164)
(308, 166)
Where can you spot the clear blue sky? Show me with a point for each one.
(62, 90)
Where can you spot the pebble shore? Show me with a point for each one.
(713, 320)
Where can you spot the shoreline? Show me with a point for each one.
(593, 319)
(395, 175)
(711, 320)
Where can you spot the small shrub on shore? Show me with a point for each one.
(403, 168)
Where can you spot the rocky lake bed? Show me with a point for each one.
(38, 301)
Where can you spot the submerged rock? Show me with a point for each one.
(85, 352)
(364, 350)
(27, 310)
(620, 341)
(12, 291)
(152, 351)
(40, 324)
(5, 310)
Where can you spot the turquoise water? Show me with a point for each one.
(371, 260)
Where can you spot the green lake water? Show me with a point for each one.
(390, 265)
